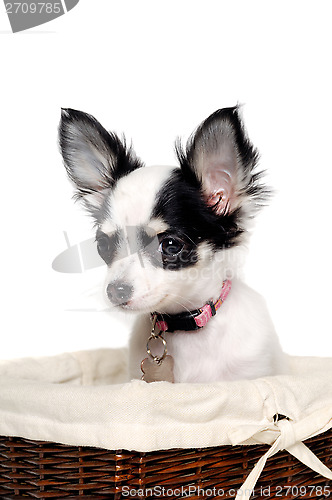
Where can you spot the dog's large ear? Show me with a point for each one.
(94, 158)
(220, 159)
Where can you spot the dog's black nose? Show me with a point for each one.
(119, 293)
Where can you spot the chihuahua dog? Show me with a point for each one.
(185, 228)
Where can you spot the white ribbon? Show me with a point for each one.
(290, 438)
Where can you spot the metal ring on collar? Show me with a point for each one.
(156, 359)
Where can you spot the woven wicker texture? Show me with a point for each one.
(48, 470)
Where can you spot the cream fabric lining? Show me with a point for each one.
(83, 399)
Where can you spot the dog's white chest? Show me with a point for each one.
(238, 343)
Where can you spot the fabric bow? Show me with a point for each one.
(284, 435)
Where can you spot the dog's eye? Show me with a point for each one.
(102, 245)
(108, 245)
(170, 247)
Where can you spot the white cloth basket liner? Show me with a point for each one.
(83, 399)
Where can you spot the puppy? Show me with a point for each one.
(172, 239)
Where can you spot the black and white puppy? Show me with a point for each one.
(173, 239)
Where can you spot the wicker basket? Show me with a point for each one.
(48, 470)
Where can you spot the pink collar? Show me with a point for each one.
(192, 320)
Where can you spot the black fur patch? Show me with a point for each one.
(108, 245)
(180, 204)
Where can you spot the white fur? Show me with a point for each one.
(238, 343)
(133, 198)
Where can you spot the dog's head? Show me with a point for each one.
(167, 234)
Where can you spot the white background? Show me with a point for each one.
(154, 70)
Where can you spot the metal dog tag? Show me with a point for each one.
(157, 367)
(154, 371)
